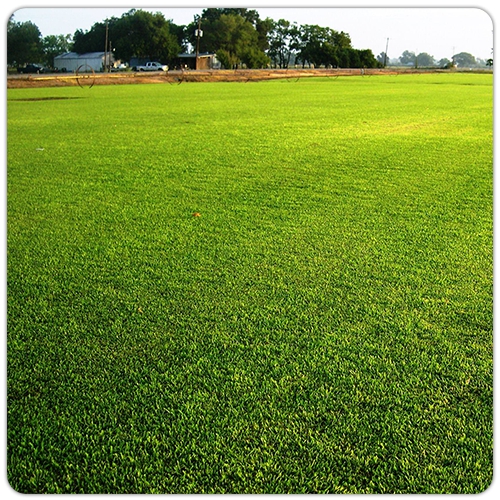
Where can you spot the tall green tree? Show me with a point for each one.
(312, 38)
(180, 33)
(254, 58)
(93, 40)
(284, 41)
(231, 36)
(340, 39)
(464, 60)
(263, 27)
(136, 33)
(54, 45)
(24, 43)
(407, 57)
(238, 37)
(424, 59)
(383, 58)
(444, 63)
(323, 46)
(212, 14)
(367, 59)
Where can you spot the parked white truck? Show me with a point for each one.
(152, 66)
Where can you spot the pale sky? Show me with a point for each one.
(441, 32)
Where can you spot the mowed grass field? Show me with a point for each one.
(325, 325)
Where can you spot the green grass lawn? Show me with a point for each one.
(325, 325)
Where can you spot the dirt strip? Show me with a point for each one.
(177, 77)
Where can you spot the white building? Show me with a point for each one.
(71, 61)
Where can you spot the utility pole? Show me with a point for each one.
(109, 56)
(106, 51)
(198, 34)
(385, 55)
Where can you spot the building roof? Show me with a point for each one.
(74, 55)
(201, 54)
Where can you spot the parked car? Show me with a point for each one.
(31, 68)
(120, 67)
(152, 66)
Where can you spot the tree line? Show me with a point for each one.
(425, 60)
(238, 37)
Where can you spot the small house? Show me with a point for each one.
(205, 61)
(71, 61)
